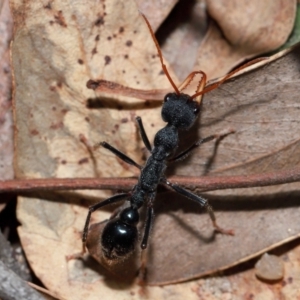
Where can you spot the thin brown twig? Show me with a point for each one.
(203, 183)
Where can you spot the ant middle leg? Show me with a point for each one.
(113, 199)
(121, 155)
(203, 202)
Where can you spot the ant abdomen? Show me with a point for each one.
(120, 235)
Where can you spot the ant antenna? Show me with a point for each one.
(160, 55)
(200, 87)
(226, 77)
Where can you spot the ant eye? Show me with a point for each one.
(196, 110)
(167, 97)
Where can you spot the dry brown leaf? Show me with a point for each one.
(156, 10)
(182, 34)
(63, 86)
(244, 285)
(244, 29)
(6, 128)
(50, 44)
(57, 48)
(46, 293)
(241, 30)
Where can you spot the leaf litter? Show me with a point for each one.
(237, 30)
(6, 126)
(50, 78)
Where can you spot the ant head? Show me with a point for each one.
(180, 110)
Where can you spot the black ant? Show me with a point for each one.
(180, 111)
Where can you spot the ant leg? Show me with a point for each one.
(143, 133)
(186, 152)
(121, 155)
(149, 220)
(203, 202)
(113, 199)
(150, 214)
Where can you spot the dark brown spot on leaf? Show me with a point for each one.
(99, 21)
(83, 161)
(80, 61)
(59, 84)
(97, 38)
(57, 125)
(121, 29)
(290, 280)
(109, 38)
(34, 132)
(48, 6)
(87, 119)
(60, 19)
(63, 162)
(124, 120)
(107, 59)
(129, 43)
(126, 56)
(94, 51)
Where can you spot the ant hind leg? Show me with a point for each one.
(113, 199)
(203, 202)
(144, 244)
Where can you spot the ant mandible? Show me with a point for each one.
(180, 112)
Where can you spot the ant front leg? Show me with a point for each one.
(121, 155)
(113, 199)
(186, 152)
(203, 202)
(143, 133)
